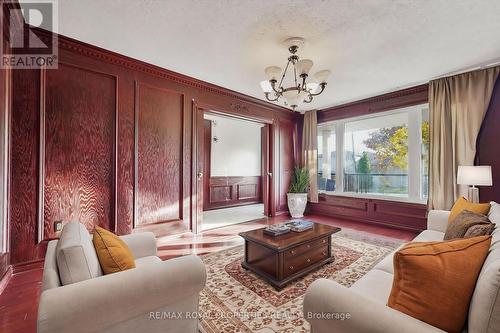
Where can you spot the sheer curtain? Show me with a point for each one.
(457, 106)
(310, 152)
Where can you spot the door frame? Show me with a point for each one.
(197, 158)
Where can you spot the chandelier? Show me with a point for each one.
(301, 91)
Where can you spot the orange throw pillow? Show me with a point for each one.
(463, 204)
(434, 281)
(114, 255)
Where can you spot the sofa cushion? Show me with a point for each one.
(434, 281)
(429, 236)
(114, 255)
(375, 285)
(484, 311)
(461, 224)
(463, 204)
(75, 255)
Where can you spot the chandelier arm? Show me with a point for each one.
(283, 76)
(270, 99)
(323, 85)
(295, 76)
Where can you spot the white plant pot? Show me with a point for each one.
(297, 203)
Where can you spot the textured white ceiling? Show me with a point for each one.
(371, 46)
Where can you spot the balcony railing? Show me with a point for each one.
(394, 184)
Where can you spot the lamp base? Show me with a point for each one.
(473, 194)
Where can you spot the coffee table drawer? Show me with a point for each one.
(295, 264)
(299, 250)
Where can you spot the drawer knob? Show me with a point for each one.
(324, 253)
(292, 252)
(308, 245)
(324, 240)
(308, 260)
(290, 268)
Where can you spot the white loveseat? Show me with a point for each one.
(365, 303)
(142, 299)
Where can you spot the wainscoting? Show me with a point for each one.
(226, 192)
(403, 215)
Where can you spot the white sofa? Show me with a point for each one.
(365, 303)
(137, 300)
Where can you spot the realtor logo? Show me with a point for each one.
(27, 49)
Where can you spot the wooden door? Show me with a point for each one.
(207, 149)
(266, 169)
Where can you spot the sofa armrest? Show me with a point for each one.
(437, 220)
(325, 298)
(96, 304)
(141, 244)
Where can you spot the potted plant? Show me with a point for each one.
(297, 193)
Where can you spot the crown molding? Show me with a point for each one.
(93, 51)
(396, 99)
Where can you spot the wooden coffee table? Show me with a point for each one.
(282, 259)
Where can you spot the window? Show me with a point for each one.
(327, 158)
(383, 155)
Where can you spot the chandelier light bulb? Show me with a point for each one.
(266, 86)
(273, 72)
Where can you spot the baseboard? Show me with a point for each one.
(6, 279)
(28, 266)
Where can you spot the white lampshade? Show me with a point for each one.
(474, 175)
(266, 86)
(312, 87)
(322, 76)
(294, 98)
(303, 66)
(273, 72)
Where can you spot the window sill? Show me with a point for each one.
(373, 196)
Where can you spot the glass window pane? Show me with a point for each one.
(376, 155)
(327, 157)
(425, 153)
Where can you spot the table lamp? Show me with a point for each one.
(474, 176)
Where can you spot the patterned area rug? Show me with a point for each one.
(236, 300)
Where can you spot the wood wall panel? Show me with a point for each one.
(487, 152)
(159, 116)
(287, 161)
(78, 148)
(403, 215)
(226, 192)
(25, 122)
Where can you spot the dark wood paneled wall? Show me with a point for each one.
(287, 141)
(159, 117)
(233, 191)
(107, 140)
(5, 112)
(487, 151)
(393, 100)
(77, 155)
(401, 215)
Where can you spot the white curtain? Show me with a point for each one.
(310, 152)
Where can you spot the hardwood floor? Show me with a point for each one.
(19, 301)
